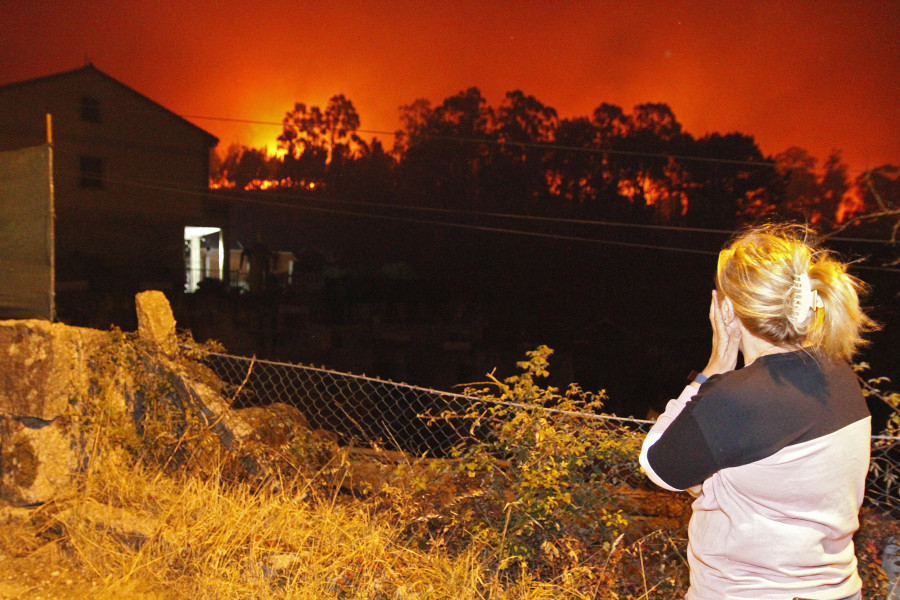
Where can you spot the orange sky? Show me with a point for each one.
(818, 74)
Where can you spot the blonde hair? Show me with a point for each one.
(758, 271)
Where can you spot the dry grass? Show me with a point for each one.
(127, 530)
(169, 513)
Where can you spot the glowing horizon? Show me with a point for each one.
(788, 74)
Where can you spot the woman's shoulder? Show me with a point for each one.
(787, 392)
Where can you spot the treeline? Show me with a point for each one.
(521, 158)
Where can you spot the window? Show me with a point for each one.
(91, 168)
(90, 109)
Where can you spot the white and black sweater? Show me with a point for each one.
(781, 448)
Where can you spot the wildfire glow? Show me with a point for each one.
(655, 194)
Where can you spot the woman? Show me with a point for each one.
(775, 452)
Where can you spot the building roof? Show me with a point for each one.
(89, 68)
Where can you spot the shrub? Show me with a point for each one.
(536, 481)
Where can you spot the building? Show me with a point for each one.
(130, 184)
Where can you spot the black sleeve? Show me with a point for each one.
(681, 457)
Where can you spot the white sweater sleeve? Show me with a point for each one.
(673, 409)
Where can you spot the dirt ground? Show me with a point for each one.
(45, 575)
(32, 568)
(42, 577)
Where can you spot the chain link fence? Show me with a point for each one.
(365, 411)
(883, 485)
(361, 411)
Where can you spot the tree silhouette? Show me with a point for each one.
(516, 172)
(613, 127)
(302, 140)
(368, 176)
(243, 167)
(316, 144)
(638, 166)
(340, 123)
(441, 151)
(414, 124)
(611, 122)
(801, 186)
(729, 181)
(834, 188)
(649, 179)
(575, 170)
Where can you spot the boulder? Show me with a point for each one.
(44, 372)
(44, 366)
(53, 375)
(54, 378)
(156, 324)
(276, 423)
(37, 458)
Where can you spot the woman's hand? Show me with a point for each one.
(726, 339)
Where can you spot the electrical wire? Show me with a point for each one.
(286, 201)
(513, 216)
(538, 145)
(542, 146)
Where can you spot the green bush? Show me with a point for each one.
(537, 479)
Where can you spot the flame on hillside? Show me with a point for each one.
(850, 205)
(655, 193)
(222, 183)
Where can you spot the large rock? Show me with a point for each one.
(44, 366)
(276, 423)
(52, 377)
(44, 373)
(37, 458)
(156, 324)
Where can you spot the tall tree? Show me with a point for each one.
(516, 173)
(302, 128)
(247, 168)
(414, 119)
(444, 150)
(368, 177)
(834, 188)
(611, 123)
(525, 119)
(465, 115)
(800, 184)
(340, 124)
(653, 179)
(574, 164)
(729, 178)
(613, 128)
(316, 144)
(301, 139)
(656, 119)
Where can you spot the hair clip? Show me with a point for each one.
(803, 300)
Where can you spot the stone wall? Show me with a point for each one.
(54, 377)
(49, 378)
(43, 373)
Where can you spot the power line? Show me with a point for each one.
(506, 230)
(562, 220)
(288, 201)
(539, 145)
(528, 233)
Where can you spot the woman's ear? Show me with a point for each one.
(727, 308)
